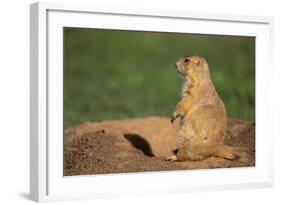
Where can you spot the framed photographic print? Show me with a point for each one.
(123, 97)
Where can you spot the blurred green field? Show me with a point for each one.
(123, 74)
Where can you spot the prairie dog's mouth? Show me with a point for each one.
(179, 70)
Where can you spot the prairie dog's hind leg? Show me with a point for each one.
(173, 157)
(225, 152)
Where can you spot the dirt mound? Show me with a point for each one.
(141, 145)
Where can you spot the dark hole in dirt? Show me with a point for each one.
(139, 143)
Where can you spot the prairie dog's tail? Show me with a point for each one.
(232, 153)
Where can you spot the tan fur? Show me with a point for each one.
(224, 152)
(202, 114)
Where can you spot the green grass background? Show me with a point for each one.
(124, 74)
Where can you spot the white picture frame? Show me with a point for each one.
(47, 182)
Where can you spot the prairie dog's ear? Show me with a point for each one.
(198, 62)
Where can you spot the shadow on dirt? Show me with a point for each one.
(140, 143)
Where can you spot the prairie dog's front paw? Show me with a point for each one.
(174, 117)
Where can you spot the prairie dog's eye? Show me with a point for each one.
(186, 60)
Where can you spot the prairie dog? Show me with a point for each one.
(203, 119)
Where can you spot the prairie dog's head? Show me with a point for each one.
(192, 66)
